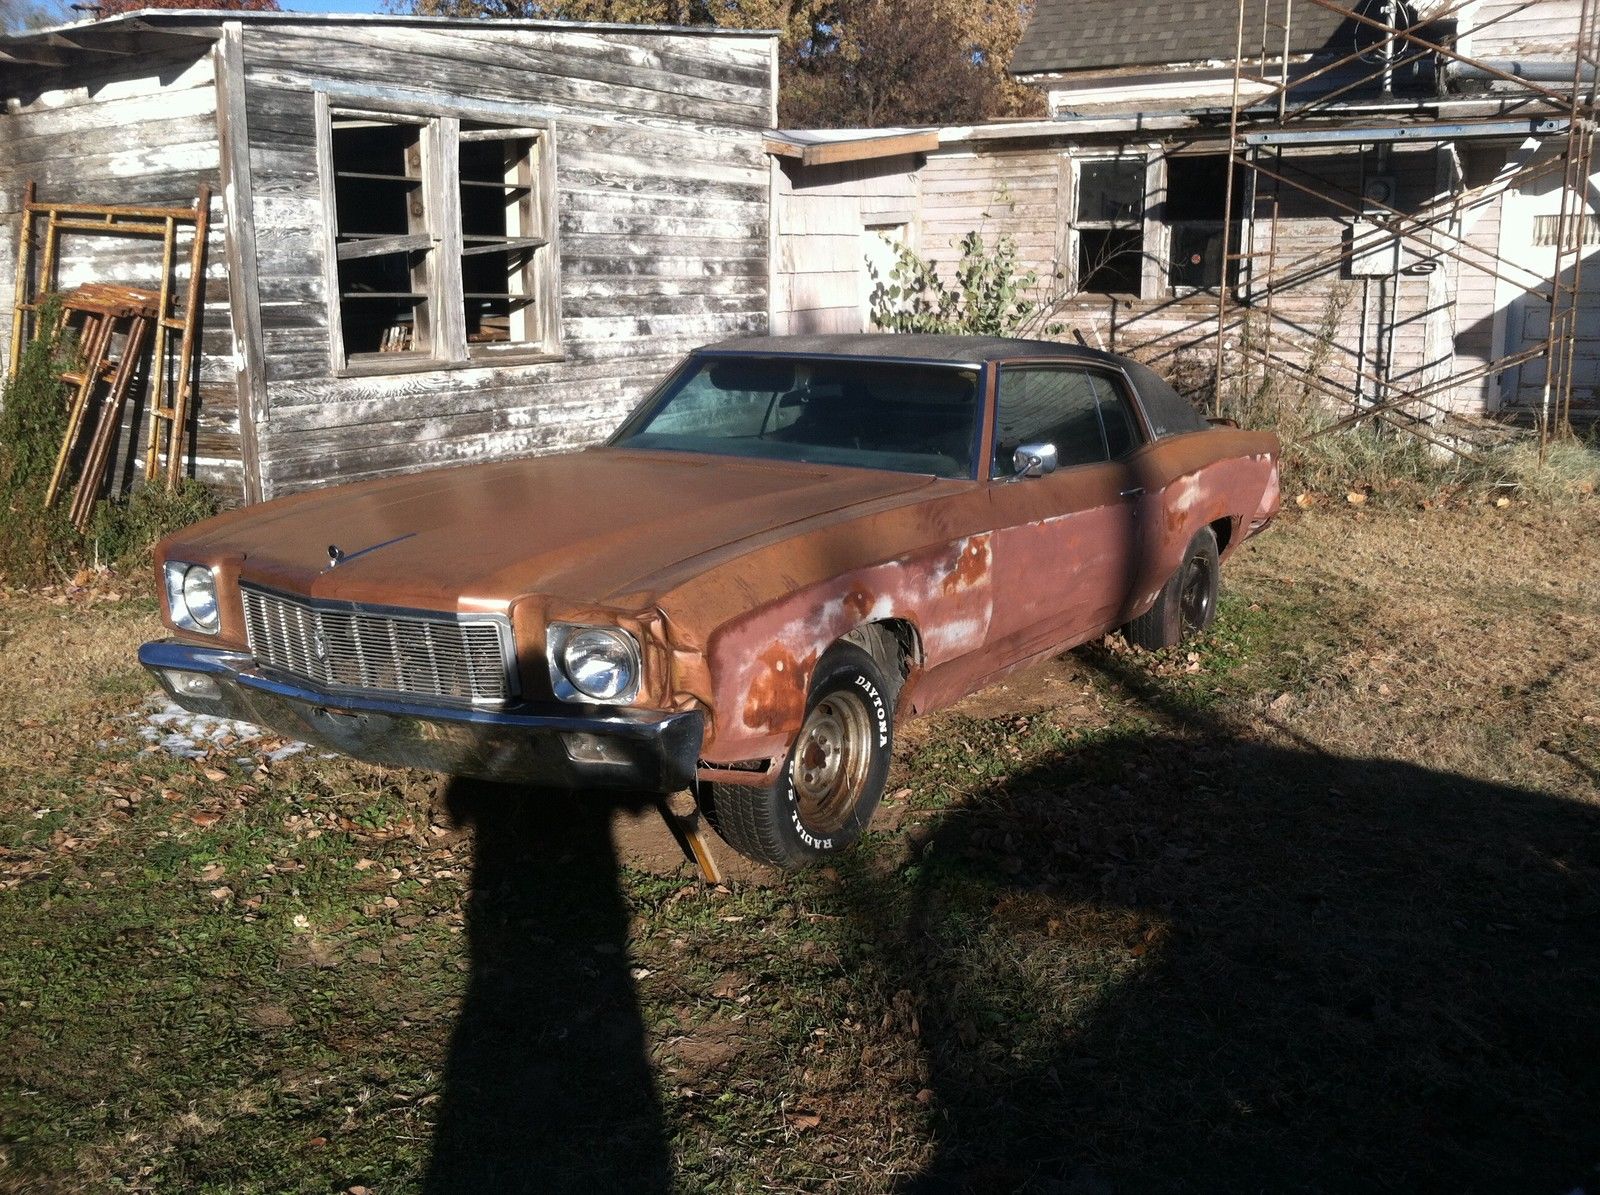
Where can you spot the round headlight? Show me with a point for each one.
(601, 664)
(200, 596)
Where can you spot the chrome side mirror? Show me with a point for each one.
(1034, 460)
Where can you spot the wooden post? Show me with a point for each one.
(19, 318)
(191, 321)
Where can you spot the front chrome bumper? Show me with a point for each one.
(525, 744)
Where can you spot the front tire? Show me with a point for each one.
(832, 779)
(1187, 604)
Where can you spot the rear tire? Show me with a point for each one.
(1187, 604)
(832, 778)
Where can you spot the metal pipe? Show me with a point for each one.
(1536, 70)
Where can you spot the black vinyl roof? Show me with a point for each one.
(956, 350)
(1169, 413)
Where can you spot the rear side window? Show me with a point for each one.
(1122, 433)
(1047, 406)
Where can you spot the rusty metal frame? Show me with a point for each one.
(168, 415)
(1261, 275)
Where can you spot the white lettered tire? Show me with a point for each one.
(830, 784)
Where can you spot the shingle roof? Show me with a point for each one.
(1070, 35)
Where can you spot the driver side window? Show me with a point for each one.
(1050, 405)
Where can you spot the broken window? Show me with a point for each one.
(1109, 225)
(503, 233)
(383, 247)
(1196, 217)
(443, 239)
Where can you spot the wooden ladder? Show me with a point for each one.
(36, 273)
(109, 317)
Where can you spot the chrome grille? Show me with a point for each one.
(415, 653)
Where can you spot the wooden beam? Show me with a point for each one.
(244, 296)
(863, 148)
(779, 148)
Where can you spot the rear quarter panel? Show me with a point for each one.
(1220, 477)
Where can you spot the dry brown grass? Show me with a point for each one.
(1462, 639)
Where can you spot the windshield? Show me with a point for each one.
(870, 414)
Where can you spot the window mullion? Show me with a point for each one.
(444, 178)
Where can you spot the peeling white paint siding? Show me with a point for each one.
(663, 202)
(130, 129)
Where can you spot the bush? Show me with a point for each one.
(40, 544)
(990, 297)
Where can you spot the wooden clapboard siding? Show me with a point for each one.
(1012, 192)
(1519, 29)
(1017, 192)
(1475, 285)
(662, 201)
(140, 130)
(821, 216)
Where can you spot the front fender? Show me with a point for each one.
(761, 663)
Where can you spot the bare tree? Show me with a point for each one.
(844, 62)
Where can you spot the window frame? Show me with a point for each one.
(1244, 195)
(1152, 264)
(1121, 384)
(441, 130)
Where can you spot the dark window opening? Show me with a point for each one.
(502, 232)
(1197, 190)
(1109, 220)
(1110, 260)
(382, 243)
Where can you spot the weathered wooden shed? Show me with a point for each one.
(1401, 233)
(432, 240)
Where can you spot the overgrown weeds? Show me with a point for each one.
(39, 543)
(991, 295)
(1378, 455)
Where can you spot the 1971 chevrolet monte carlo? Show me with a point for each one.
(791, 544)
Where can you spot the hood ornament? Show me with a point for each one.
(338, 556)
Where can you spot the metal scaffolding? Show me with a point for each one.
(1282, 103)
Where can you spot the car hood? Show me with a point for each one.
(584, 527)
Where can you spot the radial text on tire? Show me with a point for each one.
(833, 777)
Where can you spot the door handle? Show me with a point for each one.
(1132, 492)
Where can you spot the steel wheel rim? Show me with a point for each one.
(1195, 596)
(831, 759)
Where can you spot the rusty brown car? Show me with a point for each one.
(790, 546)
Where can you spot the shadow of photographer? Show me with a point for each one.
(1183, 959)
(548, 1085)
